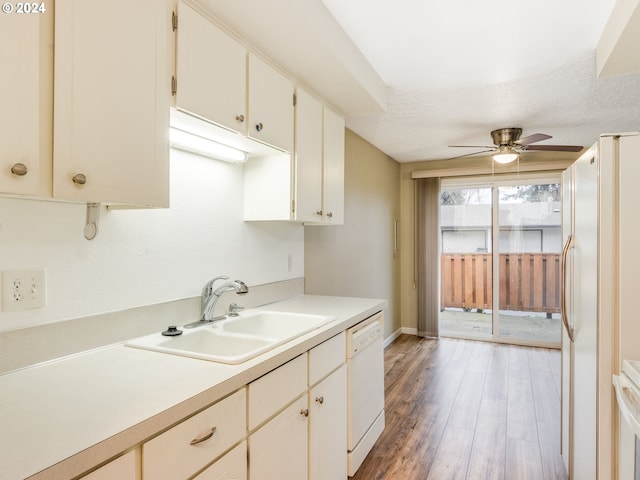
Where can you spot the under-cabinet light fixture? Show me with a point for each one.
(189, 142)
(505, 154)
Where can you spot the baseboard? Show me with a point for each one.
(402, 330)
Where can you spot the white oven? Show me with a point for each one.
(627, 387)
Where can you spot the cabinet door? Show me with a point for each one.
(233, 466)
(211, 71)
(270, 105)
(308, 158)
(26, 93)
(125, 467)
(333, 163)
(112, 95)
(327, 428)
(279, 448)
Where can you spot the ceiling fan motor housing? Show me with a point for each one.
(505, 136)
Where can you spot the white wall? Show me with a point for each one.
(143, 257)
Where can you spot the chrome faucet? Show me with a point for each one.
(210, 296)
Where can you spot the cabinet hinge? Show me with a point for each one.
(295, 99)
(293, 206)
(174, 21)
(174, 85)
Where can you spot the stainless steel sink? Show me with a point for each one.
(235, 339)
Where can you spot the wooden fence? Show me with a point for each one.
(529, 282)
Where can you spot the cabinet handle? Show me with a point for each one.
(203, 438)
(320, 400)
(79, 179)
(304, 412)
(259, 127)
(19, 169)
(319, 213)
(240, 118)
(330, 215)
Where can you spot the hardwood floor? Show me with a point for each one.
(458, 409)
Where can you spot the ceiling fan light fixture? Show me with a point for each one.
(505, 154)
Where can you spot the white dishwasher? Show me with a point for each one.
(365, 387)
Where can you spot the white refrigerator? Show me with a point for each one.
(601, 275)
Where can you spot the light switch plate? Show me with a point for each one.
(23, 289)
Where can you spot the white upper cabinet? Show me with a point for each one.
(211, 71)
(333, 168)
(308, 158)
(270, 105)
(26, 90)
(113, 69)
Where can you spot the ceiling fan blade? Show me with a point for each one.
(536, 137)
(470, 146)
(554, 148)
(470, 154)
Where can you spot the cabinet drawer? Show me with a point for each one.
(171, 455)
(326, 357)
(232, 466)
(125, 467)
(270, 393)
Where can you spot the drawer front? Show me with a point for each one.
(123, 468)
(232, 466)
(326, 357)
(171, 454)
(273, 391)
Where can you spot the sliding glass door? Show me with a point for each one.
(501, 246)
(466, 261)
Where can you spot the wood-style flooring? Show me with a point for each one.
(458, 409)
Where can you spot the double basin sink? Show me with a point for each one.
(235, 339)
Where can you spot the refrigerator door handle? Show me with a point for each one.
(563, 296)
(627, 402)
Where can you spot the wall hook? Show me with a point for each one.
(93, 216)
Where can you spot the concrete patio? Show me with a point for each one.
(529, 326)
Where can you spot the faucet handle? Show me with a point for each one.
(234, 308)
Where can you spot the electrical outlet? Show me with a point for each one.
(23, 289)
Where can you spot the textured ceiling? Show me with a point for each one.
(456, 70)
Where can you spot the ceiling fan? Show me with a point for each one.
(508, 145)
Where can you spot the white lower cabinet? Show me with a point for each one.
(328, 427)
(278, 449)
(183, 450)
(232, 466)
(308, 438)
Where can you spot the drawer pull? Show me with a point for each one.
(304, 412)
(240, 118)
(259, 127)
(19, 169)
(79, 179)
(203, 438)
(320, 400)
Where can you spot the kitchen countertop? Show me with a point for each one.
(63, 417)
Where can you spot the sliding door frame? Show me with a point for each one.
(494, 183)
